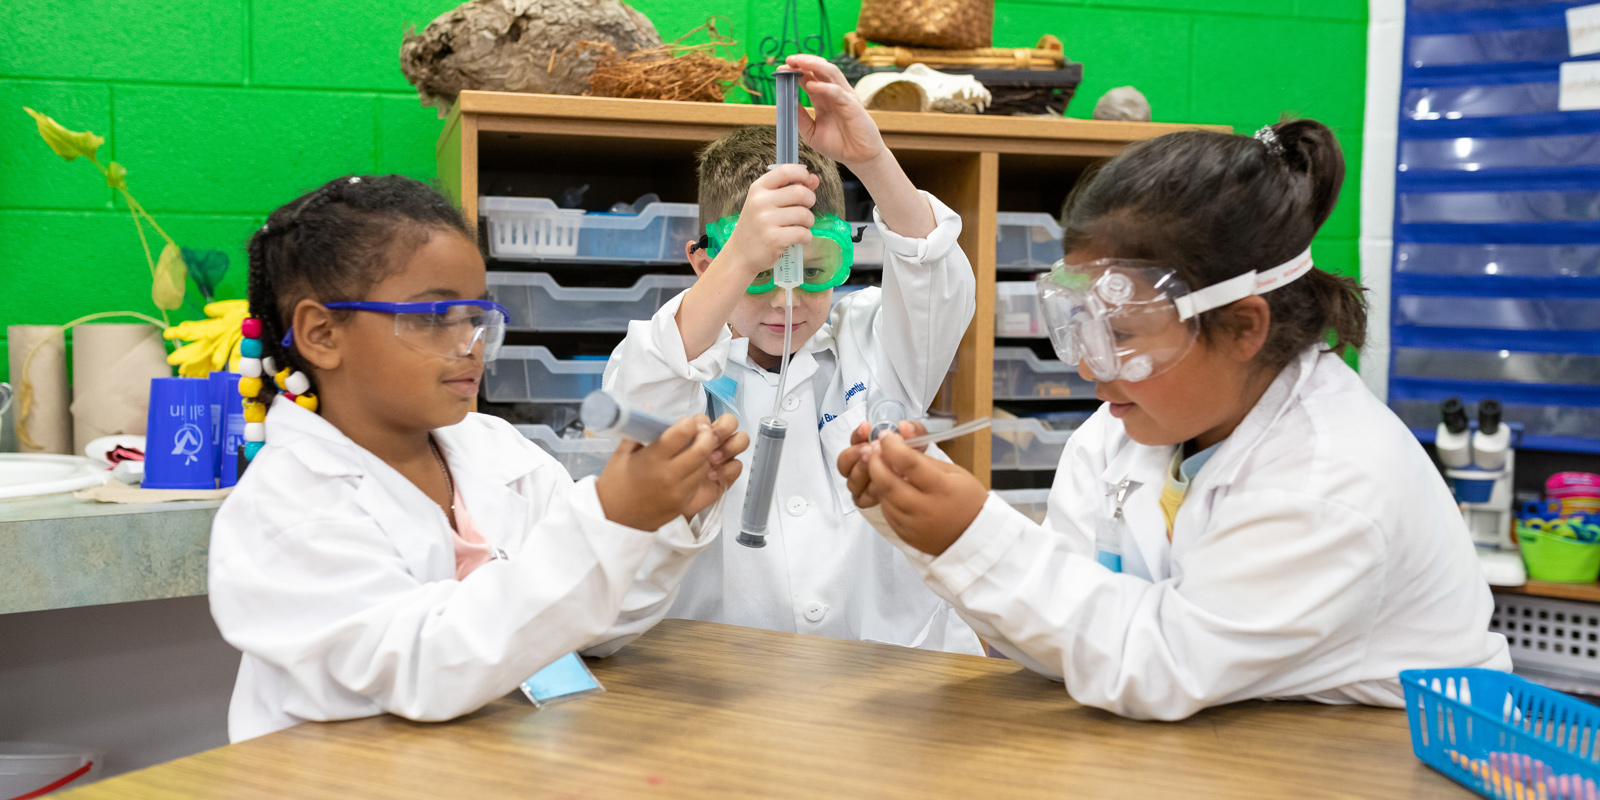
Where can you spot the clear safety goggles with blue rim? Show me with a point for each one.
(828, 256)
(447, 328)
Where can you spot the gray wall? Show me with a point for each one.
(141, 682)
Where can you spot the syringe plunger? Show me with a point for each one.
(602, 413)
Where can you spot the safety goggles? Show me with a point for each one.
(1133, 320)
(448, 328)
(828, 255)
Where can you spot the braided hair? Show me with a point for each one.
(336, 243)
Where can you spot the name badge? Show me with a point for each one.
(568, 678)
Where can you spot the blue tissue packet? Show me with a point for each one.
(567, 678)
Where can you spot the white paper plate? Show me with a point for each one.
(30, 474)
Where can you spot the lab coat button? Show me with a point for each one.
(815, 611)
(797, 505)
(790, 402)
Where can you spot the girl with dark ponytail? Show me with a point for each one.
(1241, 519)
(387, 550)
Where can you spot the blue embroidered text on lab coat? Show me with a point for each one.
(853, 391)
(826, 418)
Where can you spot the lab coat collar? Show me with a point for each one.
(321, 447)
(1224, 467)
(802, 365)
(486, 470)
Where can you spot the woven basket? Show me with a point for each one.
(947, 24)
(1047, 54)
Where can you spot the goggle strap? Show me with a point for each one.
(1239, 287)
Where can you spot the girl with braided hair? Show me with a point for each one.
(387, 550)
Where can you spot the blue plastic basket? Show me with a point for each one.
(1503, 736)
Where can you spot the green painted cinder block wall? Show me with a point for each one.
(223, 110)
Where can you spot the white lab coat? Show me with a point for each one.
(824, 570)
(335, 576)
(1316, 555)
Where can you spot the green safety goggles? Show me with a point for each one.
(827, 257)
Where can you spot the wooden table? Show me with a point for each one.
(697, 709)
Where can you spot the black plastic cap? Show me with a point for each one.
(1454, 415)
(751, 540)
(1489, 417)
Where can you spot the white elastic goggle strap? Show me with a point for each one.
(1239, 287)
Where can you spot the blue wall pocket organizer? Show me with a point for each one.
(1503, 736)
(1496, 273)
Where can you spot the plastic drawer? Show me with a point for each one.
(1021, 375)
(1515, 260)
(1469, 154)
(534, 229)
(1499, 207)
(581, 456)
(1026, 241)
(534, 375)
(1505, 365)
(1499, 313)
(1016, 310)
(538, 303)
(1026, 443)
(869, 251)
(1031, 502)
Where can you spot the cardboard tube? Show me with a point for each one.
(111, 370)
(46, 427)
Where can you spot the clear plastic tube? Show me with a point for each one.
(954, 433)
(604, 414)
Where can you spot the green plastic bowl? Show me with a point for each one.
(1557, 558)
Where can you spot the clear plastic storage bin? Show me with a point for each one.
(534, 229)
(1504, 365)
(1031, 502)
(1021, 375)
(27, 767)
(1470, 154)
(537, 303)
(1500, 313)
(1027, 241)
(1026, 443)
(1493, 207)
(1016, 310)
(1516, 260)
(534, 375)
(581, 456)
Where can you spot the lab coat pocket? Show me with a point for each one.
(835, 436)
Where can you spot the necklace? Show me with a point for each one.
(449, 483)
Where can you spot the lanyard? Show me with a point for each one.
(1110, 533)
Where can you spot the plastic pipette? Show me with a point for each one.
(954, 433)
(602, 413)
(786, 275)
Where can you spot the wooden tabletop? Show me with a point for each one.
(700, 710)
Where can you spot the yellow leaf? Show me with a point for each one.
(116, 176)
(67, 144)
(167, 291)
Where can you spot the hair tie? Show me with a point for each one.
(1269, 138)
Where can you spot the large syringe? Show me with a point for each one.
(786, 275)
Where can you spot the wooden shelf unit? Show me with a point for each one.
(1585, 592)
(969, 162)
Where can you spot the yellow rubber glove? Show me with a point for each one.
(212, 343)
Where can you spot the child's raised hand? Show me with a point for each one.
(927, 502)
(647, 487)
(724, 468)
(776, 214)
(842, 129)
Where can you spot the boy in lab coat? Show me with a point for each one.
(823, 570)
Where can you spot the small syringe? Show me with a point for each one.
(603, 414)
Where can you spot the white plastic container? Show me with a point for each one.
(537, 303)
(1016, 310)
(582, 457)
(1021, 375)
(1026, 241)
(1031, 502)
(534, 229)
(1026, 443)
(26, 767)
(535, 375)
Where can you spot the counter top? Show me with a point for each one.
(696, 709)
(61, 552)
